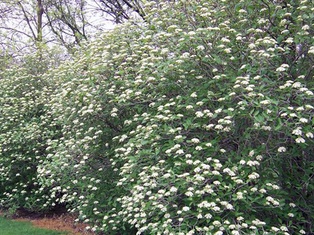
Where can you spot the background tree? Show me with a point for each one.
(30, 25)
(120, 10)
(68, 21)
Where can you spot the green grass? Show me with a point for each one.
(10, 227)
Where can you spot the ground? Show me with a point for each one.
(56, 221)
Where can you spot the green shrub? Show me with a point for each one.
(197, 121)
(24, 131)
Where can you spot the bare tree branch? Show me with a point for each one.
(27, 20)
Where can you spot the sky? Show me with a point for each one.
(16, 33)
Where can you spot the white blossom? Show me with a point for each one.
(282, 149)
(300, 140)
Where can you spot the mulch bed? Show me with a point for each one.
(60, 221)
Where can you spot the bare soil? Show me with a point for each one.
(59, 222)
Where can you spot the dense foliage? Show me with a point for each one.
(199, 121)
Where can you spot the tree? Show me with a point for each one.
(68, 21)
(30, 25)
(121, 10)
(21, 25)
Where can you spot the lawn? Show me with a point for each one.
(9, 227)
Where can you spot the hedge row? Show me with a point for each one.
(197, 121)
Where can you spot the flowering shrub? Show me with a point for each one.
(198, 121)
(25, 127)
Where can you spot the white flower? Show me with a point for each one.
(262, 190)
(173, 189)
(229, 207)
(292, 205)
(218, 165)
(305, 27)
(303, 120)
(180, 151)
(265, 102)
(269, 198)
(282, 149)
(282, 68)
(239, 195)
(300, 140)
(200, 48)
(216, 182)
(297, 131)
(252, 163)
(198, 148)
(232, 226)
(309, 135)
(244, 225)
(218, 110)
(186, 208)
(178, 137)
(197, 170)
(284, 228)
(177, 146)
(194, 95)
(199, 114)
(296, 85)
(189, 161)
(168, 151)
(189, 194)
(254, 175)
(227, 50)
(289, 40)
(195, 140)
(215, 172)
(185, 55)
(216, 223)
(275, 229)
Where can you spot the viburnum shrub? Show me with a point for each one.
(25, 127)
(224, 145)
(197, 121)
